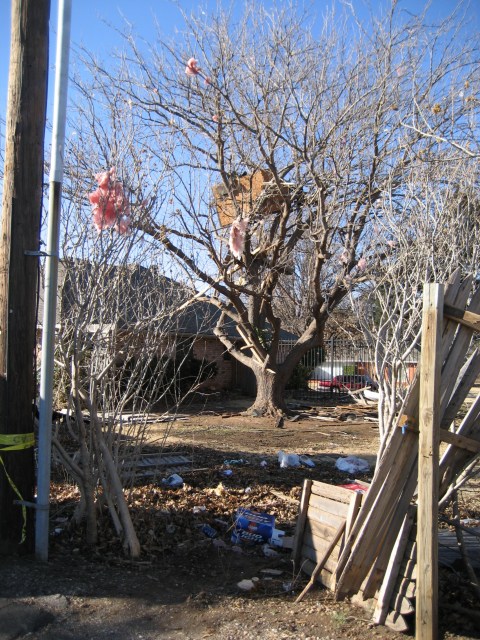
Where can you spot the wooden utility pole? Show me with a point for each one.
(21, 215)
(426, 627)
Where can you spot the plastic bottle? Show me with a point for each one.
(209, 531)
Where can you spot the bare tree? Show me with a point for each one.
(279, 138)
(118, 355)
(119, 351)
(424, 236)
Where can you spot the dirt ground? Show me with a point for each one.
(185, 585)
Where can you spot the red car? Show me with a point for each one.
(351, 382)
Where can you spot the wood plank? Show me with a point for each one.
(465, 380)
(467, 318)
(353, 509)
(320, 545)
(373, 521)
(401, 508)
(330, 506)
(396, 622)
(338, 494)
(326, 577)
(397, 462)
(406, 587)
(322, 562)
(322, 517)
(454, 458)
(456, 355)
(323, 531)
(408, 569)
(308, 553)
(428, 459)
(390, 579)
(301, 520)
(400, 604)
(457, 440)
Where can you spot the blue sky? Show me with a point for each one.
(89, 28)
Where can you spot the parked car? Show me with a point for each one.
(351, 382)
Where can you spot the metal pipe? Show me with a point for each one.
(51, 279)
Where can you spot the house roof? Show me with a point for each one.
(132, 293)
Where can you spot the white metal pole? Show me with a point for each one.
(51, 278)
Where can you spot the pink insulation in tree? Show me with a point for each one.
(237, 236)
(110, 207)
(192, 68)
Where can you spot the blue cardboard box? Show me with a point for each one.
(252, 527)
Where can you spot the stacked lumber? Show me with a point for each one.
(376, 565)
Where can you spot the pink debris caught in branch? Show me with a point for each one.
(110, 206)
(237, 236)
(192, 68)
(362, 264)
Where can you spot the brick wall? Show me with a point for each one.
(213, 351)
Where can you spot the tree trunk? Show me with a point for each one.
(21, 212)
(270, 399)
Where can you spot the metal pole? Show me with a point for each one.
(51, 278)
(332, 361)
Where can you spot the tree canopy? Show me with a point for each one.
(275, 157)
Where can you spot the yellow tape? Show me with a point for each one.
(16, 441)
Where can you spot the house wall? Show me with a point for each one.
(212, 350)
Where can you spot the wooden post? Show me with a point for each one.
(301, 521)
(20, 235)
(428, 461)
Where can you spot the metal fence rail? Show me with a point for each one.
(321, 367)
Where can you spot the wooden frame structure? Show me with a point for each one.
(383, 562)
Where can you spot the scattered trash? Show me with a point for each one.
(354, 486)
(227, 472)
(222, 523)
(219, 490)
(264, 463)
(276, 539)
(353, 465)
(306, 461)
(272, 572)
(252, 527)
(279, 539)
(248, 490)
(268, 552)
(288, 586)
(200, 509)
(231, 462)
(288, 459)
(174, 481)
(247, 585)
(347, 417)
(209, 531)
